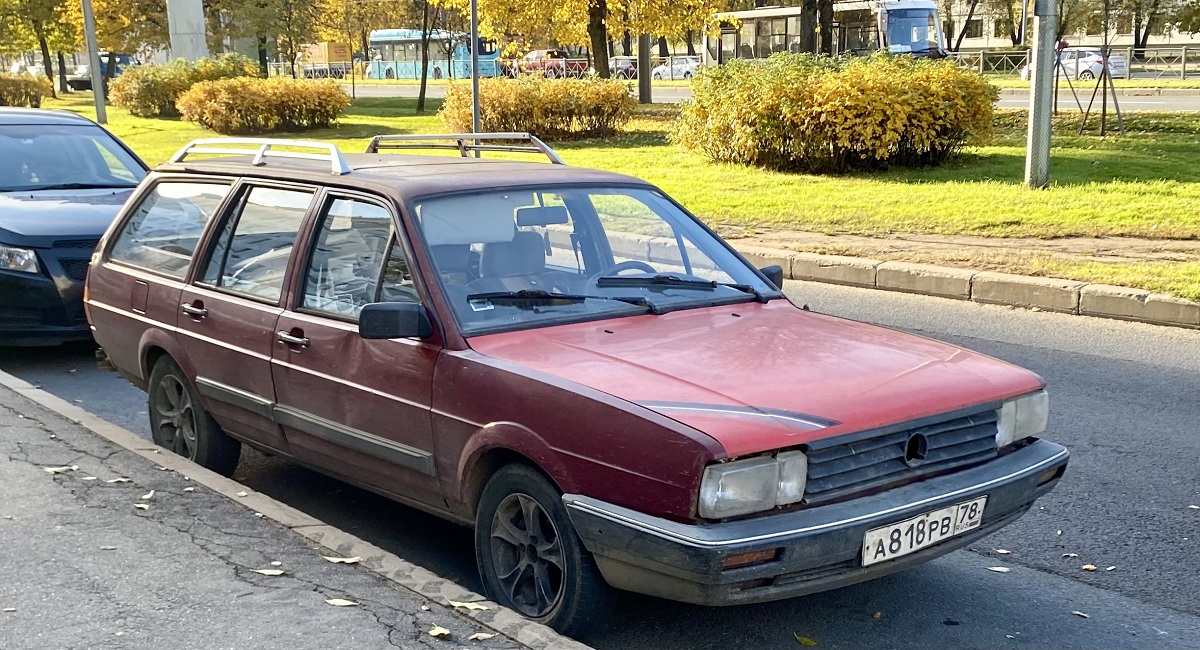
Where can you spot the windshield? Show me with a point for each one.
(43, 157)
(527, 258)
(912, 30)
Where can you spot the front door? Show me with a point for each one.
(356, 407)
(227, 320)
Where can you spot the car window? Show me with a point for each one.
(162, 232)
(356, 261)
(627, 218)
(49, 156)
(252, 252)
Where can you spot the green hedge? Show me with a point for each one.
(152, 90)
(552, 109)
(800, 112)
(23, 90)
(244, 105)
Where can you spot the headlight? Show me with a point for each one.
(752, 485)
(1022, 417)
(18, 259)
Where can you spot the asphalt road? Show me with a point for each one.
(1123, 400)
(676, 94)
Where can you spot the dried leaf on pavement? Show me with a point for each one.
(148, 496)
(189, 489)
(439, 632)
(424, 608)
(269, 572)
(1070, 555)
(877, 615)
(470, 606)
(60, 470)
(1081, 615)
(343, 560)
(142, 506)
(241, 493)
(1002, 551)
(1194, 507)
(10, 609)
(803, 640)
(480, 636)
(88, 478)
(277, 563)
(999, 569)
(117, 480)
(341, 602)
(1088, 567)
(108, 548)
(1110, 568)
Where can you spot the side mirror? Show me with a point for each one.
(774, 275)
(394, 320)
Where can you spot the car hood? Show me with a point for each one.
(757, 377)
(38, 218)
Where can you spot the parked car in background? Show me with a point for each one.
(1086, 63)
(623, 67)
(563, 358)
(552, 64)
(62, 180)
(20, 67)
(679, 67)
(81, 78)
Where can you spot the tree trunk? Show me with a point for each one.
(424, 56)
(1013, 18)
(663, 50)
(598, 34)
(364, 36)
(626, 44)
(808, 26)
(263, 68)
(825, 19)
(691, 47)
(966, 23)
(46, 62)
(62, 74)
(612, 50)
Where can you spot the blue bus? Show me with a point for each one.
(396, 54)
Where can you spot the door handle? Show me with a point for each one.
(194, 311)
(284, 337)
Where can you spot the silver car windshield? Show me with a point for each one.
(535, 257)
(61, 156)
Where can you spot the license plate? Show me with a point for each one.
(911, 535)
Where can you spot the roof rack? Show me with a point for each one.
(264, 147)
(465, 143)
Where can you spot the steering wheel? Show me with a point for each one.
(627, 265)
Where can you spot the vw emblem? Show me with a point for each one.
(915, 449)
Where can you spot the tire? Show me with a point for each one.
(1086, 75)
(656, 76)
(687, 75)
(174, 408)
(389, 73)
(582, 600)
(551, 73)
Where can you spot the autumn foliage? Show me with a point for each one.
(152, 90)
(552, 109)
(799, 112)
(245, 105)
(23, 90)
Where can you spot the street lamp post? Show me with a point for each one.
(89, 33)
(475, 125)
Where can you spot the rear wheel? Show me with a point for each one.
(1086, 74)
(530, 558)
(551, 73)
(179, 423)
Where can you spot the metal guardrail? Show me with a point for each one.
(465, 143)
(264, 148)
(1151, 62)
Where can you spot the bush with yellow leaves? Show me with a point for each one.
(152, 90)
(245, 105)
(806, 113)
(551, 109)
(23, 90)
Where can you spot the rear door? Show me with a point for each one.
(227, 321)
(359, 408)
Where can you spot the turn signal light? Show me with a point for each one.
(746, 559)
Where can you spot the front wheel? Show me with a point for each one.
(179, 422)
(1087, 75)
(530, 558)
(551, 73)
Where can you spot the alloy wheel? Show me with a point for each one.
(528, 555)
(175, 417)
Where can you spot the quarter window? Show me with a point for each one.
(251, 255)
(164, 229)
(356, 261)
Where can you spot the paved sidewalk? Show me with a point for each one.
(83, 567)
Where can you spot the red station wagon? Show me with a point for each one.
(564, 359)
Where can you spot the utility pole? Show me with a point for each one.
(475, 121)
(89, 34)
(1024, 23)
(644, 69)
(1041, 97)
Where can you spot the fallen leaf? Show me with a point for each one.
(189, 489)
(1081, 615)
(344, 560)
(241, 493)
(439, 632)
(72, 371)
(340, 602)
(269, 572)
(999, 569)
(1003, 551)
(10, 609)
(877, 615)
(1110, 568)
(803, 640)
(1070, 555)
(1010, 636)
(117, 480)
(186, 478)
(142, 506)
(1194, 507)
(1088, 567)
(88, 478)
(148, 496)
(108, 548)
(424, 608)
(60, 470)
(480, 636)
(160, 467)
(277, 563)
(1058, 532)
(469, 606)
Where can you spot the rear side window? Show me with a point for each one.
(252, 252)
(164, 229)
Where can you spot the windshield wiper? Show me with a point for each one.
(746, 288)
(657, 280)
(72, 186)
(543, 296)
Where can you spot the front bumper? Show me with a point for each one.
(819, 548)
(40, 310)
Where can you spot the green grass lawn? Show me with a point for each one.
(1143, 184)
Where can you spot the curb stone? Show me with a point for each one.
(1130, 92)
(1048, 294)
(389, 566)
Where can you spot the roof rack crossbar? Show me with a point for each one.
(465, 143)
(264, 148)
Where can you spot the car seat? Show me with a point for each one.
(513, 266)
